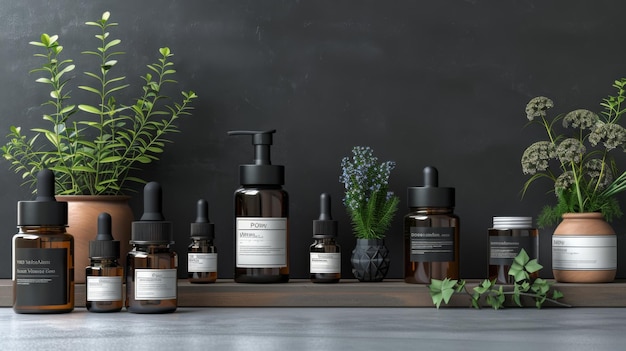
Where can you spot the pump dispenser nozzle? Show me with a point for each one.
(324, 226)
(262, 172)
(44, 210)
(202, 228)
(152, 227)
(104, 246)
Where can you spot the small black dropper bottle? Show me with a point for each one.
(431, 232)
(151, 273)
(325, 253)
(42, 245)
(104, 275)
(261, 216)
(201, 253)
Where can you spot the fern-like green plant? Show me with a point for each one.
(369, 202)
(95, 155)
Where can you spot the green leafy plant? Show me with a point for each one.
(496, 295)
(585, 175)
(369, 203)
(96, 154)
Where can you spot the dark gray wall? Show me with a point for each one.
(441, 83)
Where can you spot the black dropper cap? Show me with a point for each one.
(45, 210)
(430, 195)
(202, 228)
(324, 227)
(104, 246)
(152, 228)
(262, 172)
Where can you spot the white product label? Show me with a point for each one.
(155, 284)
(261, 242)
(323, 262)
(201, 262)
(104, 288)
(584, 252)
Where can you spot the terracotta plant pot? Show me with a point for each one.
(370, 261)
(584, 249)
(83, 211)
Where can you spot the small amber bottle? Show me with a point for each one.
(507, 238)
(201, 253)
(151, 273)
(43, 253)
(325, 253)
(104, 286)
(431, 232)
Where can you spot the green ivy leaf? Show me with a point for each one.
(441, 290)
(521, 258)
(557, 295)
(533, 266)
(483, 287)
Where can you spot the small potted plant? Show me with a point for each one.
(371, 207)
(586, 181)
(96, 147)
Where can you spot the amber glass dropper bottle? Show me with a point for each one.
(43, 253)
(325, 253)
(104, 288)
(151, 273)
(201, 253)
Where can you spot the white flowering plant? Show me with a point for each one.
(580, 163)
(369, 203)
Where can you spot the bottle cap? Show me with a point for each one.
(430, 195)
(104, 246)
(152, 228)
(45, 210)
(512, 222)
(202, 228)
(262, 172)
(324, 226)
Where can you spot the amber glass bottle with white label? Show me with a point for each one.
(151, 274)
(201, 253)
(43, 253)
(262, 239)
(431, 232)
(261, 217)
(104, 275)
(325, 253)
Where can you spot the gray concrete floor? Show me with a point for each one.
(320, 329)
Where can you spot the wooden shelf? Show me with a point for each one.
(347, 293)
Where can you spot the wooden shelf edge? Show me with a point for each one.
(347, 293)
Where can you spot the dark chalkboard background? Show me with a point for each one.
(441, 83)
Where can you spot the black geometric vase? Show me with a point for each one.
(369, 260)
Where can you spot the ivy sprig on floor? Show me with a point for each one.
(495, 295)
